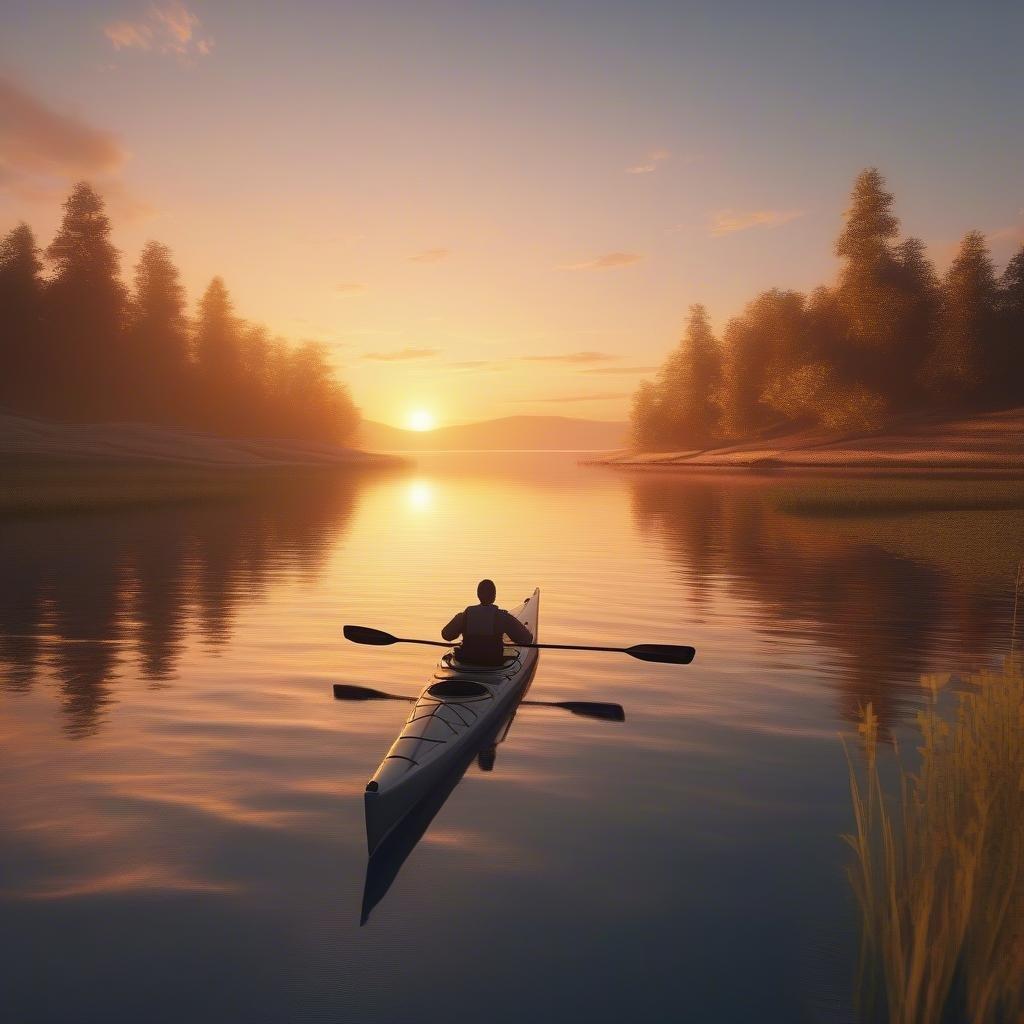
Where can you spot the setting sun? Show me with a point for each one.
(420, 419)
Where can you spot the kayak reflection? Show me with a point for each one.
(387, 860)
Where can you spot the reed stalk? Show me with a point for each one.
(937, 869)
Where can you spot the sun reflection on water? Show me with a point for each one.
(419, 495)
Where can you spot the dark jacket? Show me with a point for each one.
(483, 628)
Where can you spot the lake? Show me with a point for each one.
(181, 798)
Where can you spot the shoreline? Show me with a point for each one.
(984, 444)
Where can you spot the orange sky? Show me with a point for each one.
(487, 209)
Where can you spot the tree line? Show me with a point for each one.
(888, 338)
(77, 345)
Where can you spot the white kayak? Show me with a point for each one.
(461, 710)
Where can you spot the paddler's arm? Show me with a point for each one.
(514, 629)
(454, 628)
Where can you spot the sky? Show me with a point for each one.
(499, 208)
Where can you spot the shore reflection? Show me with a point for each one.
(83, 593)
(843, 582)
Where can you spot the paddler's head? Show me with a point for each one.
(486, 591)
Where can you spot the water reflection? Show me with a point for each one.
(826, 581)
(83, 593)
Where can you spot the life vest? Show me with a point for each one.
(483, 639)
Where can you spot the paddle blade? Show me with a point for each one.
(594, 709)
(345, 691)
(668, 654)
(365, 635)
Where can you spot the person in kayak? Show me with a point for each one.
(483, 628)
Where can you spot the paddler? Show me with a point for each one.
(483, 628)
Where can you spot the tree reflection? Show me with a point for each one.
(885, 614)
(84, 593)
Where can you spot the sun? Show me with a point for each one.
(420, 419)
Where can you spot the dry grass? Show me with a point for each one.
(938, 871)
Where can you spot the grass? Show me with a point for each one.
(938, 872)
(42, 486)
(887, 496)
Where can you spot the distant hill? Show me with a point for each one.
(511, 433)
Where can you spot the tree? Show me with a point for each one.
(868, 288)
(961, 368)
(85, 313)
(1009, 358)
(646, 427)
(317, 407)
(919, 295)
(21, 289)
(160, 370)
(218, 360)
(762, 348)
(689, 383)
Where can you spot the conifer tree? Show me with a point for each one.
(918, 286)
(158, 338)
(1009, 360)
(960, 372)
(85, 313)
(21, 368)
(218, 359)
(690, 381)
(868, 289)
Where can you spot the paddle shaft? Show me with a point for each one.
(592, 709)
(537, 647)
(670, 654)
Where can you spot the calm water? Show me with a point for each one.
(181, 799)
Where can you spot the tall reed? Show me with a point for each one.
(938, 869)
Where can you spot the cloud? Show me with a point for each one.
(471, 364)
(608, 261)
(351, 288)
(726, 222)
(41, 149)
(601, 397)
(429, 256)
(650, 162)
(624, 370)
(571, 357)
(165, 28)
(1011, 233)
(402, 354)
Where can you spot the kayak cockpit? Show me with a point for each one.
(452, 662)
(444, 689)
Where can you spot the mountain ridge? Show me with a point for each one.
(505, 433)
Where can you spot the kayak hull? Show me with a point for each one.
(459, 712)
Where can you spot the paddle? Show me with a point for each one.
(589, 709)
(667, 654)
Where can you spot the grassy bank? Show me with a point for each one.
(992, 442)
(938, 871)
(887, 496)
(31, 487)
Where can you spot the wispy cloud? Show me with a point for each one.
(41, 149)
(351, 288)
(1010, 233)
(165, 28)
(650, 162)
(609, 261)
(402, 354)
(600, 397)
(571, 357)
(622, 370)
(429, 256)
(472, 364)
(727, 222)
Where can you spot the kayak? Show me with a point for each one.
(459, 711)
